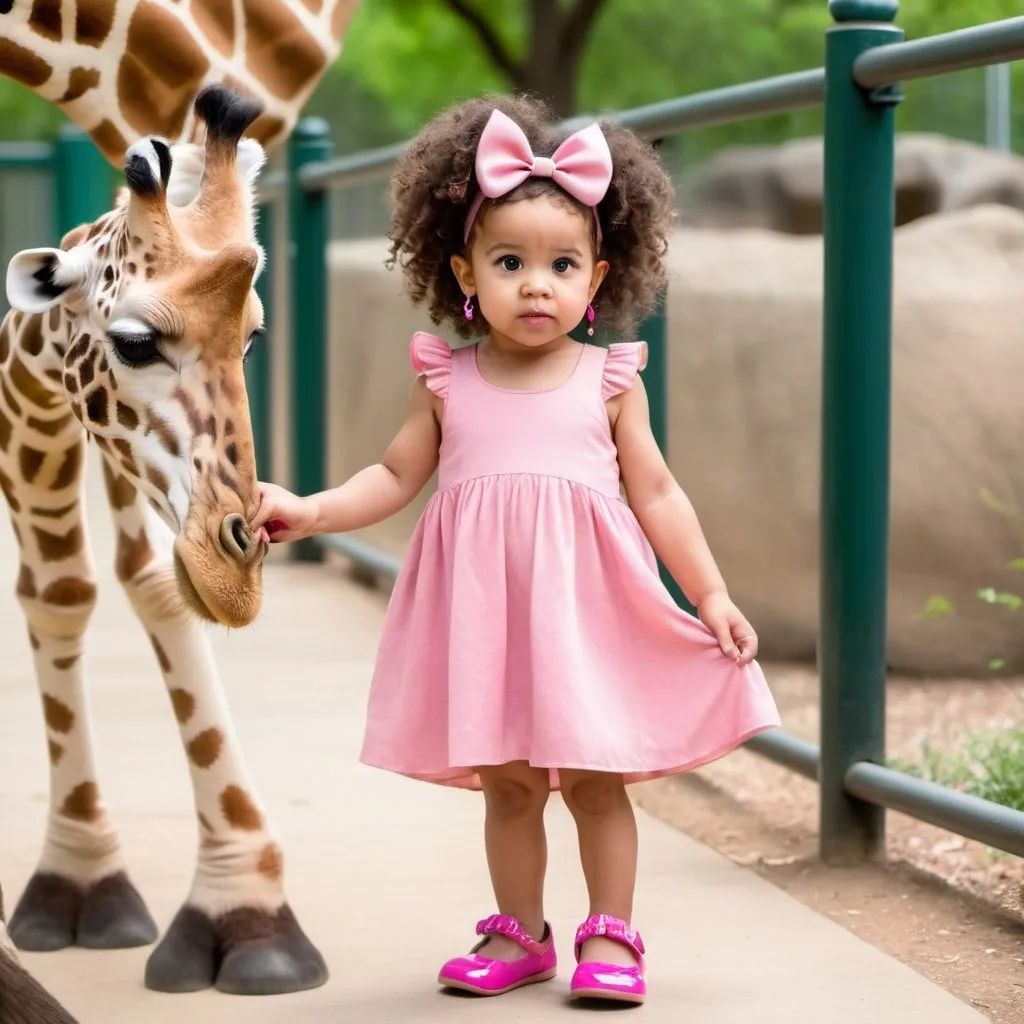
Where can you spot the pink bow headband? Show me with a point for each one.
(582, 165)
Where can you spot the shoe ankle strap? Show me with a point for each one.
(611, 928)
(501, 924)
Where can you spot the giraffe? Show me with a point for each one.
(124, 69)
(132, 334)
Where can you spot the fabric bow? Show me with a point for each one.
(582, 164)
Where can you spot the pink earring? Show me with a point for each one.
(467, 309)
(590, 319)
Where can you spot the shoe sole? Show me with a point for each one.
(465, 986)
(609, 995)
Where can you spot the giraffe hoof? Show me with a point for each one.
(45, 918)
(113, 916)
(54, 913)
(244, 952)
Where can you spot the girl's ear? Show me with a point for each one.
(600, 269)
(463, 271)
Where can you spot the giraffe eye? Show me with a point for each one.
(135, 343)
(256, 334)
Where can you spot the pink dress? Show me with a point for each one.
(529, 622)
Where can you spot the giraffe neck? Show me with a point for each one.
(122, 70)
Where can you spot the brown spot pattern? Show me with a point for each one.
(216, 20)
(127, 416)
(56, 752)
(69, 591)
(65, 663)
(284, 55)
(23, 65)
(96, 406)
(34, 641)
(82, 803)
(26, 586)
(206, 747)
(160, 72)
(93, 21)
(68, 472)
(7, 489)
(55, 546)
(165, 434)
(271, 862)
(50, 428)
(26, 383)
(109, 140)
(59, 717)
(184, 705)
(80, 81)
(32, 335)
(30, 461)
(45, 19)
(161, 654)
(132, 555)
(120, 490)
(5, 342)
(5, 432)
(239, 810)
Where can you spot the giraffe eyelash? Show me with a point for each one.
(254, 336)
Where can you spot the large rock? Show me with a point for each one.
(781, 187)
(745, 364)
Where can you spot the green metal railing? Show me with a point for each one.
(48, 188)
(865, 59)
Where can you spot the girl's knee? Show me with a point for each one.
(593, 794)
(514, 795)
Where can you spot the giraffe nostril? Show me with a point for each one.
(234, 537)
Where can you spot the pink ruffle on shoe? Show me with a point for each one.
(593, 980)
(486, 976)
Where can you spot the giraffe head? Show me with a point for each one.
(153, 310)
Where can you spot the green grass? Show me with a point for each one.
(990, 766)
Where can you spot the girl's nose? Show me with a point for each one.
(537, 284)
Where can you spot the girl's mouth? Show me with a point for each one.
(536, 319)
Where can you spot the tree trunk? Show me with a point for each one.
(556, 41)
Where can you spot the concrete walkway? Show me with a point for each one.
(386, 875)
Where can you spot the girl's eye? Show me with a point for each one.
(562, 266)
(511, 263)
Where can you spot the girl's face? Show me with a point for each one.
(532, 269)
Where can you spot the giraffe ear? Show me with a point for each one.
(38, 278)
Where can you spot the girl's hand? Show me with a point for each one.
(735, 635)
(284, 516)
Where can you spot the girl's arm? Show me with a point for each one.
(670, 524)
(372, 494)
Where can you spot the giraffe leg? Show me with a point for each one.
(79, 893)
(236, 930)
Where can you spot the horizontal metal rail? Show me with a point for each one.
(995, 43)
(24, 156)
(366, 556)
(763, 98)
(990, 823)
(654, 121)
(790, 751)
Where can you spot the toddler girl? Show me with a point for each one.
(529, 643)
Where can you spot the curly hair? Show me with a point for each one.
(434, 184)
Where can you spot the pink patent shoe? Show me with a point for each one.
(485, 976)
(609, 981)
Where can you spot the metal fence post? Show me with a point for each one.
(309, 211)
(83, 180)
(856, 374)
(257, 366)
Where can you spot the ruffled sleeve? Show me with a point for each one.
(624, 361)
(431, 357)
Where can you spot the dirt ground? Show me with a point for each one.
(948, 907)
